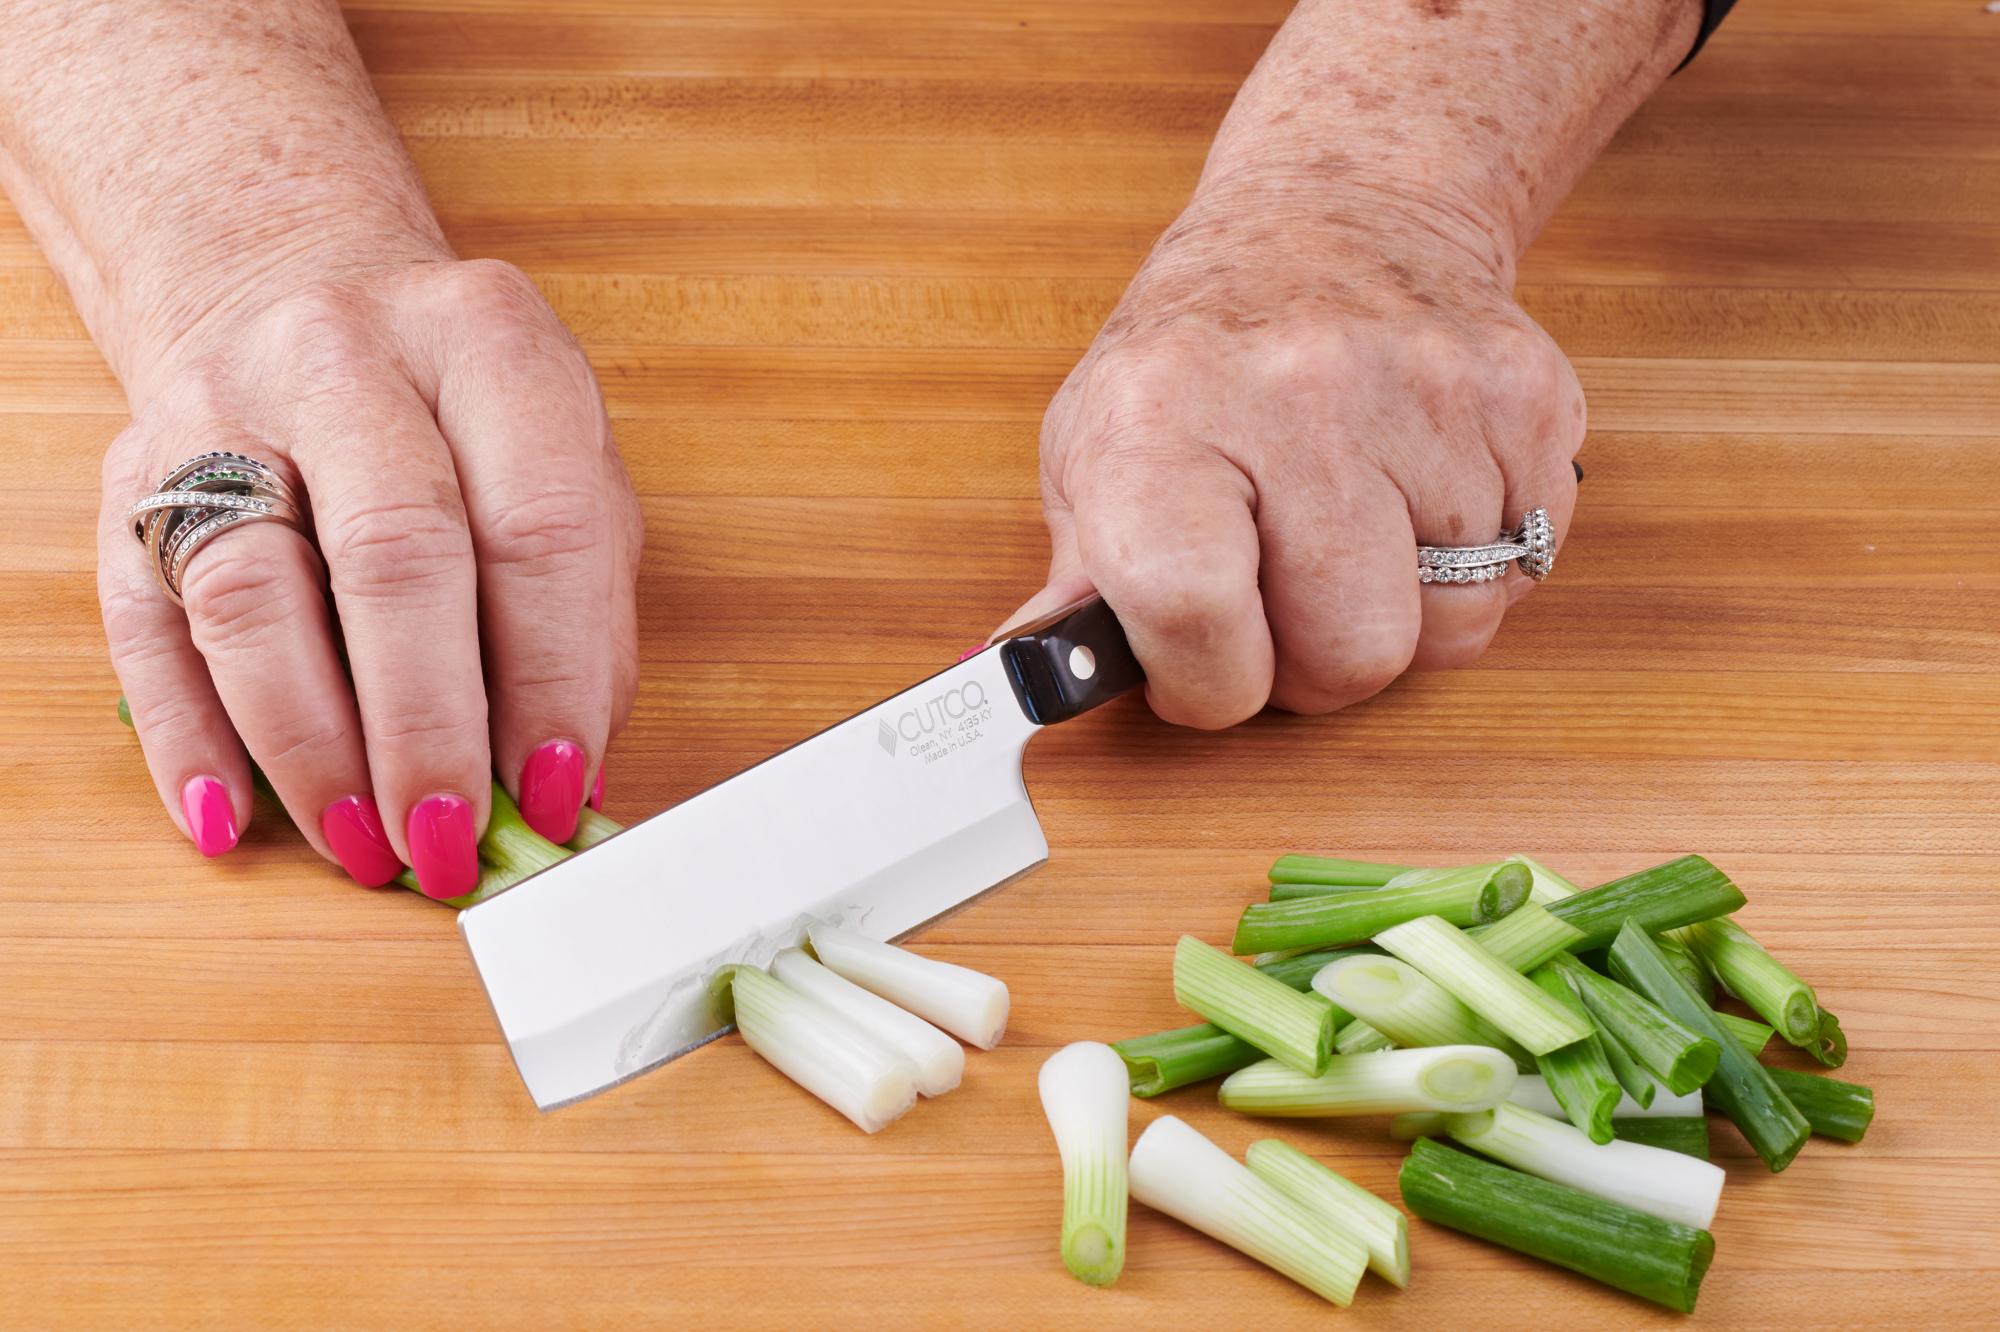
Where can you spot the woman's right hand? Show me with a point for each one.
(481, 539)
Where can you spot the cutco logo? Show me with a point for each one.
(927, 718)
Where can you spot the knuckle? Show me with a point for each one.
(1360, 670)
(303, 739)
(227, 593)
(392, 545)
(323, 328)
(438, 726)
(550, 529)
(133, 618)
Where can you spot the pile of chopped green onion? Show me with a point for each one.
(1564, 1043)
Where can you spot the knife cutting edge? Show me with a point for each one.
(598, 967)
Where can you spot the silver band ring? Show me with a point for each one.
(1531, 546)
(198, 501)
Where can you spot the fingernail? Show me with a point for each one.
(443, 850)
(211, 818)
(973, 651)
(552, 789)
(353, 828)
(597, 792)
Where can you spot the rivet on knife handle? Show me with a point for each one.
(1070, 662)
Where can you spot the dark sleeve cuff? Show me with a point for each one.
(1712, 14)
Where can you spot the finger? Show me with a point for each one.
(1166, 533)
(1543, 479)
(1067, 582)
(257, 612)
(391, 526)
(198, 764)
(624, 611)
(519, 408)
(1456, 502)
(1339, 581)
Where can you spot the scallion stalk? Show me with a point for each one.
(1741, 1087)
(1829, 1043)
(1164, 1060)
(1269, 1014)
(1751, 1034)
(1402, 1003)
(1298, 969)
(1357, 1037)
(939, 1060)
(1331, 870)
(1679, 892)
(1414, 1124)
(1176, 1170)
(969, 1004)
(1389, 1082)
(1657, 1260)
(1484, 984)
(1748, 971)
(1835, 1109)
(1471, 896)
(1660, 1183)
(821, 1051)
(1084, 1096)
(592, 828)
(1531, 1091)
(1549, 886)
(1343, 1204)
(1637, 1082)
(1579, 1075)
(1686, 1134)
(1685, 962)
(1681, 1059)
(1527, 937)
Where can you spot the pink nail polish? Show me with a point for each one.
(597, 792)
(974, 650)
(443, 850)
(353, 828)
(552, 789)
(211, 818)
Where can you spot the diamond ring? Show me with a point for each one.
(1531, 546)
(199, 500)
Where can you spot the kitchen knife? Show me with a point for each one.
(598, 967)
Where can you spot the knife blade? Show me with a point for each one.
(598, 968)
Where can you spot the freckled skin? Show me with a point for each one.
(1245, 458)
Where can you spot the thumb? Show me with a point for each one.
(1067, 581)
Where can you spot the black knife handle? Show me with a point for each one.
(1069, 662)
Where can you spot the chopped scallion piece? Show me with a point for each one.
(1835, 1109)
(1402, 1003)
(1388, 1082)
(1579, 1075)
(1484, 984)
(1751, 1034)
(1676, 893)
(1681, 1059)
(1749, 972)
(1686, 1134)
(1084, 1097)
(1636, 1081)
(1526, 938)
(1662, 1261)
(1379, 1225)
(1665, 1184)
(1741, 1087)
(1329, 870)
(1829, 1044)
(1472, 896)
(969, 1004)
(822, 1051)
(939, 1060)
(1357, 1037)
(1414, 1124)
(1270, 1015)
(1685, 962)
(592, 828)
(1531, 1091)
(1549, 886)
(1176, 1170)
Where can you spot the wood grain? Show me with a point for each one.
(830, 258)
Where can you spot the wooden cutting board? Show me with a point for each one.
(831, 259)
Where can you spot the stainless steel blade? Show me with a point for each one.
(597, 967)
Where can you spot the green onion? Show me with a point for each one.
(1083, 1095)
(1532, 1092)
(1681, 1059)
(1164, 1060)
(1829, 1045)
(1176, 1170)
(969, 1004)
(1357, 1037)
(822, 1051)
(1402, 1004)
(1579, 1075)
(1663, 1184)
(1676, 893)
(1751, 1034)
(1527, 937)
(939, 1060)
(1657, 1260)
(1750, 973)
(1686, 1134)
(1339, 1201)
(1690, 967)
(1549, 886)
(1741, 1087)
(1471, 896)
(1636, 1081)
(592, 828)
(1389, 1082)
(1272, 1016)
(1414, 1124)
(1484, 984)
(1328, 870)
(1835, 1109)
